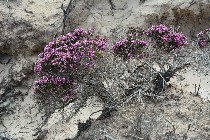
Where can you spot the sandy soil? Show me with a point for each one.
(194, 82)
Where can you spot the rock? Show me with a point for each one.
(4, 58)
(83, 126)
(191, 16)
(59, 127)
(82, 8)
(118, 4)
(30, 27)
(4, 138)
(5, 104)
(42, 135)
(21, 69)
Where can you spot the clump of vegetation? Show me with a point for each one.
(56, 86)
(203, 39)
(64, 62)
(132, 46)
(159, 38)
(70, 52)
(165, 38)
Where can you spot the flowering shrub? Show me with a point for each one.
(203, 38)
(63, 61)
(164, 37)
(50, 84)
(70, 52)
(131, 46)
(157, 31)
(135, 33)
(158, 37)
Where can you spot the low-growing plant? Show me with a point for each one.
(165, 38)
(70, 52)
(159, 38)
(203, 39)
(64, 62)
(55, 86)
(132, 46)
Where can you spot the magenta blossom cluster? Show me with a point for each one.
(157, 30)
(70, 52)
(130, 47)
(68, 56)
(57, 86)
(203, 38)
(164, 37)
(127, 49)
(173, 41)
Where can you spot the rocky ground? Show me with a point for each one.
(26, 26)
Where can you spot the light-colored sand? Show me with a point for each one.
(24, 121)
(190, 82)
(59, 129)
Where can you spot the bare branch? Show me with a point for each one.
(66, 13)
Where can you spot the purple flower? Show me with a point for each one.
(165, 38)
(61, 59)
(157, 30)
(128, 47)
(68, 51)
(38, 67)
(203, 38)
(54, 85)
